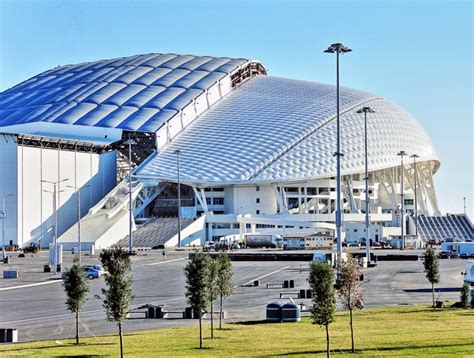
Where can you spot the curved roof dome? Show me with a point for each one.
(137, 93)
(276, 130)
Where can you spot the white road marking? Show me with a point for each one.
(30, 285)
(266, 275)
(163, 262)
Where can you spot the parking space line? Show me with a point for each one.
(29, 285)
(163, 262)
(266, 275)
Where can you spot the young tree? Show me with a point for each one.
(349, 290)
(321, 282)
(224, 285)
(465, 295)
(118, 294)
(431, 264)
(77, 288)
(212, 289)
(197, 292)
(472, 297)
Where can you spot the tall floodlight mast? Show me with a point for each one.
(130, 142)
(415, 174)
(338, 48)
(366, 110)
(402, 153)
(177, 152)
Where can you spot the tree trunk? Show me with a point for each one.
(220, 314)
(432, 292)
(327, 340)
(120, 335)
(212, 320)
(200, 330)
(77, 327)
(352, 332)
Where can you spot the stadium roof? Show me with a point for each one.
(274, 130)
(137, 93)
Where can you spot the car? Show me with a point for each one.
(91, 272)
(97, 267)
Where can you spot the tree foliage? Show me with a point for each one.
(77, 288)
(321, 282)
(465, 295)
(197, 281)
(224, 285)
(349, 290)
(118, 294)
(431, 266)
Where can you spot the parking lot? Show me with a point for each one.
(34, 303)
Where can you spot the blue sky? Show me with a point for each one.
(415, 53)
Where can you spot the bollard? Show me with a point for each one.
(256, 283)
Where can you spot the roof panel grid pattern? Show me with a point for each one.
(154, 85)
(273, 129)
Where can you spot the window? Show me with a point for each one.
(312, 191)
(221, 226)
(370, 191)
(208, 201)
(248, 226)
(257, 212)
(257, 188)
(218, 201)
(257, 200)
(355, 230)
(323, 190)
(264, 226)
(292, 203)
(333, 189)
(235, 226)
(409, 201)
(291, 189)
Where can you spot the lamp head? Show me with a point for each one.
(337, 47)
(402, 153)
(365, 110)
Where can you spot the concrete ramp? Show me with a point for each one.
(106, 223)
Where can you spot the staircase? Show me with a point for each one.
(438, 228)
(161, 232)
(106, 222)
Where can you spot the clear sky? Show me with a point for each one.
(415, 53)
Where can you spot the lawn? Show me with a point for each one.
(395, 331)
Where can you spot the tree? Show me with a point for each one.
(465, 295)
(197, 292)
(321, 282)
(212, 289)
(118, 292)
(77, 288)
(349, 290)
(431, 264)
(224, 285)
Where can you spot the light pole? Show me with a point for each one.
(55, 221)
(338, 48)
(130, 142)
(366, 110)
(4, 216)
(402, 208)
(78, 192)
(178, 152)
(415, 173)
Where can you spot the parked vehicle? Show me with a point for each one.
(448, 255)
(208, 246)
(97, 267)
(90, 271)
(469, 273)
(34, 248)
(262, 241)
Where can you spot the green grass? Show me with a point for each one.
(396, 331)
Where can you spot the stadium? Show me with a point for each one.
(251, 154)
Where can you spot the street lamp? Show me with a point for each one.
(402, 153)
(55, 220)
(4, 216)
(178, 152)
(415, 173)
(366, 110)
(78, 191)
(130, 142)
(338, 48)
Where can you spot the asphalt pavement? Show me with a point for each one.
(35, 303)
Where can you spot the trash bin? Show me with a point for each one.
(302, 293)
(290, 312)
(47, 268)
(274, 312)
(309, 294)
(286, 284)
(6, 260)
(8, 335)
(256, 283)
(292, 284)
(188, 313)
